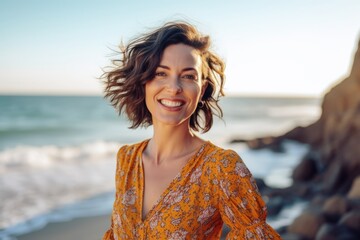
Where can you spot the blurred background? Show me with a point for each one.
(59, 137)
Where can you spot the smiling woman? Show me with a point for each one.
(177, 185)
(140, 63)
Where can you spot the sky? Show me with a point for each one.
(271, 47)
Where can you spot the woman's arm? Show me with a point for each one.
(109, 234)
(240, 203)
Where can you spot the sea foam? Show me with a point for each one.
(34, 180)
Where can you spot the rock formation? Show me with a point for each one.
(329, 174)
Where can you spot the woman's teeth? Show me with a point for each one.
(169, 103)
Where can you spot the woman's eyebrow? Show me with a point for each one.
(183, 70)
(189, 69)
(163, 66)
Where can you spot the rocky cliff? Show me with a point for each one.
(329, 175)
(335, 137)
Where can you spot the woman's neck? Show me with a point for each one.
(170, 143)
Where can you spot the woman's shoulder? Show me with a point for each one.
(130, 150)
(226, 160)
(220, 153)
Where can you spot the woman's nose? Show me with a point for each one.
(174, 85)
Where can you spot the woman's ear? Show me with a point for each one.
(203, 88)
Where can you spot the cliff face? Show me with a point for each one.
(340, 117)
(335, 136)
(330, 173)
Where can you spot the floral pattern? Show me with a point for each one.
(241, 169)
(129, 197)
(206, 214)
(213, 188)
(195, 175)
(178, 235)
(173, 197)
(155, 219)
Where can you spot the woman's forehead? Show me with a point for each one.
(181, 55)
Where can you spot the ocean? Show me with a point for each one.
(57, 153)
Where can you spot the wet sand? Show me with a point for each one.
(85, 228)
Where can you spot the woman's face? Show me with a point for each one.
(173, 94)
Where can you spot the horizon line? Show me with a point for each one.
(232, 94)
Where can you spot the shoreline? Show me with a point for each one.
(95, 207)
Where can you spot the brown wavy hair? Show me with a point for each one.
(126, 79)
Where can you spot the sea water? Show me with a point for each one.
(57, 153)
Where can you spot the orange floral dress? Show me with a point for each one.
(214, 187)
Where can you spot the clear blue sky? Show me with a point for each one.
(271, 47)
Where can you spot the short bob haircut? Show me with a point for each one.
(125, 82)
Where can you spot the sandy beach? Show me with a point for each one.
(85, 228)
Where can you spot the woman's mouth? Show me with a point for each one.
(171, 103)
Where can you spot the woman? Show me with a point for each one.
(177, 185)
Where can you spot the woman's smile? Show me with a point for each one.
(171, 103)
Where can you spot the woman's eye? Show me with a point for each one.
(190, 76)
(160, 74)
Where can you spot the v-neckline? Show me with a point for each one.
(170, 185)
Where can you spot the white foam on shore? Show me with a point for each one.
(95, 206)
(274, 167)
(47, 156)
(34, 180)
(287, 215)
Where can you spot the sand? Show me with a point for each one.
(89, 228)
(86, 228)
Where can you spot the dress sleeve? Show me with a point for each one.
(109, 234)
(241, 206)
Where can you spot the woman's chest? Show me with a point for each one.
(170, 199)
(156, 181)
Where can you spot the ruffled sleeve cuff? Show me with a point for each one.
(260, 231)
(108, 235)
